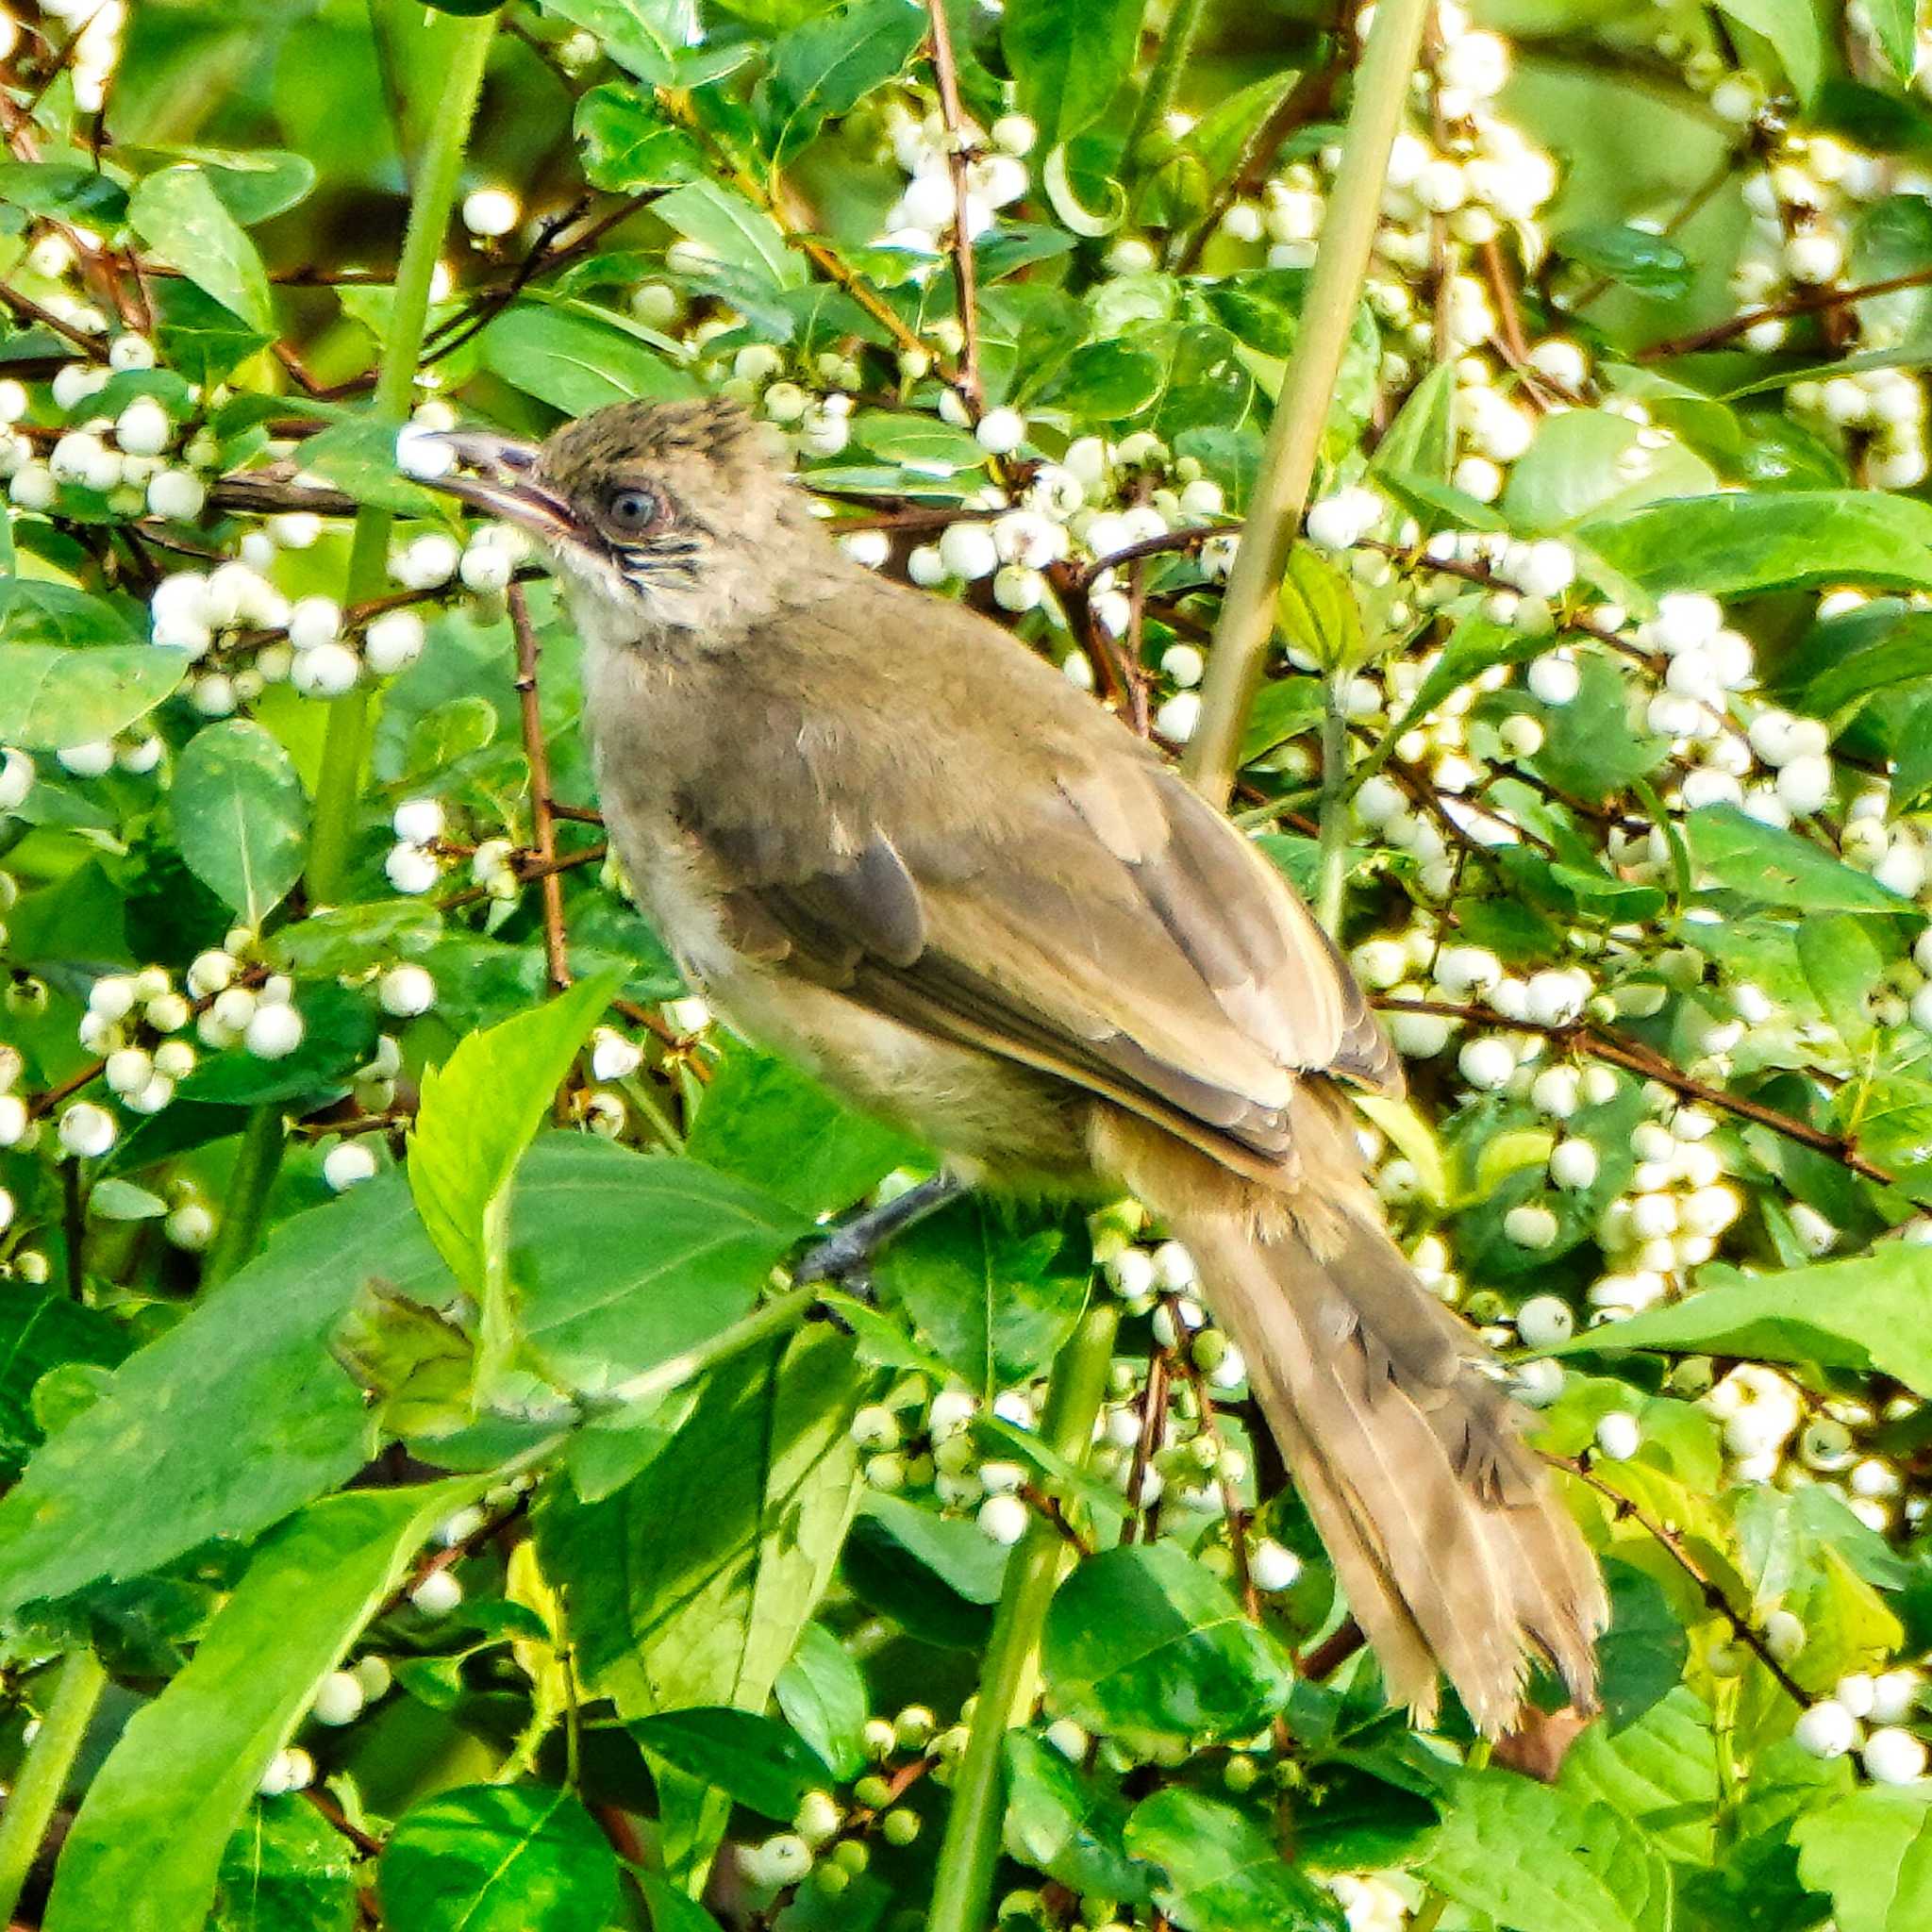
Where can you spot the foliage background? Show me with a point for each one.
(430, 1504)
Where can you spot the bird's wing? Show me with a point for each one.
(1094, 917)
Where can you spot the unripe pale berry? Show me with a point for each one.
(438, 1594)
(1003, 1519)
(406, 990)
(346, 1164)
(1619, 1436)
(272, 1032)
(1826, 1730)
(339, 1699)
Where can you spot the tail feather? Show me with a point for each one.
(1454, 1550)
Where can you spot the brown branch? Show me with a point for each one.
(1326, 1658)
(1651, 1065)
(947, 76)
(30, 310)
(1816, 302)
(527, 869)
(1715, 1596)
(1049, 1506)
(339, 1820)
(538, 752)
(1154, 1400)
(1230, 1499)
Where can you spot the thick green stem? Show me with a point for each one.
(1301, 411)
(1163, 77)
(962, 1887)
(43, 1776)
(256, 1163)
(1331, 861)
(346, 748)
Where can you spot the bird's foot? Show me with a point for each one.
(844, 1256)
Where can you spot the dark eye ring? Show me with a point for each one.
(631, 512)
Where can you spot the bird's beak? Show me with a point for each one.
(505, 486)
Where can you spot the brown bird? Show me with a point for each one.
(886, 840)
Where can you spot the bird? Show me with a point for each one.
(886, 840)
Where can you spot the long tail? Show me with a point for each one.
(1456, 1552)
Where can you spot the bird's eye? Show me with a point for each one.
(631, 512)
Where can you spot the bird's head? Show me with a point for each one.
(661, 517)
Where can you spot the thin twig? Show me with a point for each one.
(538, 752)
(1715, 1596)
(1640, 1059)
(1153, 1402)
(947, 76)
(1813, 302)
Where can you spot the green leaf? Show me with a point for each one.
(40, 1331)
(147, 1849)
(1772, 866)
(1107, 381)
(358, 455)
(740, 236)
(1660, 1772)
(574, 362)
(1911, 775)
(1143, 1638)
(1871, 1852)
(1538, 1859)
(1739, 541)
(179, 215)
(64, 192)
(1894, 27)
(1284, 708)
(995, 1301)
(1590, 464)
(1844, 966)
(671, 1911)
(33, 611)
(285, 1870)
(130, 1485)
(643, 36)
(766, 1123)
(758, 1761)
(240, 816)
(1796, 32)
(1068, 58)
(689, 1585)
(1061, 1819)
(1224, 1873)
(51, 699)
(1316, 609)
(339, 1031)
(1863, 1314)
(478, 1111)
(1641, 1655)
(827, 65)
(628, 145)
(623, 1261)
(499, 1858)
(821, 1692)
(1647, 263)
(1420, 441)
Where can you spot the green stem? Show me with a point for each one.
(962, 1887)
(1163, 77)
(1301, 411)
(256, 1163)
(345, 746)
(43, 1776)
(773, 1318)
(1331, 861)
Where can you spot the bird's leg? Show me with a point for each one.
(843, 1254)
